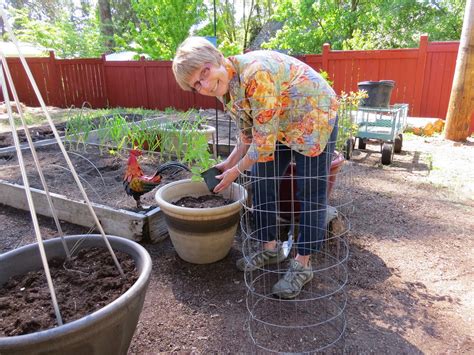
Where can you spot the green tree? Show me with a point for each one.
(68, 37)
(238, 22)
(162, 26)
(122, 16)
(355, 24)
(227, 27)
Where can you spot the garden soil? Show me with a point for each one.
(410, 267)
(84, 284)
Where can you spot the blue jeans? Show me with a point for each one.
(311, 192)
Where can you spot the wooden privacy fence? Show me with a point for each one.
(423, 79)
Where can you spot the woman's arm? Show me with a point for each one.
(237, 153)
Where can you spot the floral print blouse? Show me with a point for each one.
(274, 97)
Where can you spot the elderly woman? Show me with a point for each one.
(285, 110)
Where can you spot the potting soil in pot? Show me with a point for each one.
(83, 285)
(206, 201)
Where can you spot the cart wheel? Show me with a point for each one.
(348, 148)
(362, 144)
(398, 143)
(387, 153)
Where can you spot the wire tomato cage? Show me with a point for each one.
(301, 196)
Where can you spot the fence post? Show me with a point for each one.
(56, 88)
(105, 81)
(326, 49)
(144, 81)
(420, 74)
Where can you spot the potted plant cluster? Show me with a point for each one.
(177, 135)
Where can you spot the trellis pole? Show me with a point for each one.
(58, 139)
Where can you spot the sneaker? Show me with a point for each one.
(292, 283)
(260, 259)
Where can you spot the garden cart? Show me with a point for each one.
(385, 125)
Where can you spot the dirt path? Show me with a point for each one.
(410, 269)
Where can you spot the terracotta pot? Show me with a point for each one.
(200, 235)
(106, 331)
(336, 165)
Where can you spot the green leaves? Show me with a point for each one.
(162, 25)
(157, 27)
(69, 37)
(353, 24)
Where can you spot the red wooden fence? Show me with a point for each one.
(423, 79)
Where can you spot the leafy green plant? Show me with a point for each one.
(118, 131)
(325, 76)
(347, 127)
(78, 128)
(170, 110)
(68, 35)
(198, 156)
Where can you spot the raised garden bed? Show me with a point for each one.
(101, 174)
(44, 132)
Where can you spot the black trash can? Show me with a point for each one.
(379, 92)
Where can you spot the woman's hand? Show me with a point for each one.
(222, 166)
(231, 168)
(227, 178)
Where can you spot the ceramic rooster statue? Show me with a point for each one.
(136, 183)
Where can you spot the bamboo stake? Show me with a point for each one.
(35, 156)
(461, 102)
(59, 141)
(29, 198)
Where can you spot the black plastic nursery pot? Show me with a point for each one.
(209, 177)
(106, 331)
(379, 93)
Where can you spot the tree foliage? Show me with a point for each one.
(237, 23)
(356, 24)
(156, 27)
(67, 35)
(162, 26)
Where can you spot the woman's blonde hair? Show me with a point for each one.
(190, 56)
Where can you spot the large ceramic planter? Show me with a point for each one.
(106, 331)
(200, 235)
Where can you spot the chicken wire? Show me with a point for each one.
(315, 319)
